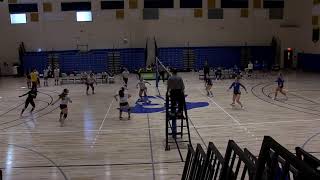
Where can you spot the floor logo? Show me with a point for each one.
(155, 104)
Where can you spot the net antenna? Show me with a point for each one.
(162, 67)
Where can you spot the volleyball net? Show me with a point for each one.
(162, 72)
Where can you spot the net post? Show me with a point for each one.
(157, 72)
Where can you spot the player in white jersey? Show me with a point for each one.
(143, 88)
(45, 77)
(64, 100)
(56, 74)
(124, 104)
(89, 82)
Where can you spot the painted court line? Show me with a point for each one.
(233, 118)
(151, 149)
(100, 128)
(134, 129)
(304, 97)
(261, 123)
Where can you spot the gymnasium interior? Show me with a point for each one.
(224, 42)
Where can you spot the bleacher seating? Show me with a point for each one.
(308, 158)
(213, 163)
(172, 57)
(36, 60)
(225, 57)
(94, 60)
(132, 59)
(274, 163)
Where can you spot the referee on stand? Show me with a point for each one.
(176, 90)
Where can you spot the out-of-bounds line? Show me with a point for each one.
(309, 139)
(11, 109)
(259, 123)
(273, 103)
(134, 129)
(30, 119)
(263, 91)
(151, 150)
(42, 155)
(234, 119)
(36, 112)
(94, 165)
(195, 128)
(101, 126)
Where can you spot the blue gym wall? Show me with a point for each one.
(94, 60)
(225, 57)
(309, 62)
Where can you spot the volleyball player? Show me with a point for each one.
(206, 71)
(143, 88)
(125, 76)
(38, 79)
(123, 100)
(29, 81)
(280, 89)
(236, 91)
(63, 105)
(32, 94)
(45, 77)
(89, 82)
(209, 86)
(34, 79)
(56, 74)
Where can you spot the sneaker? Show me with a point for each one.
(120, 118)
(129, 118)
(232, 104)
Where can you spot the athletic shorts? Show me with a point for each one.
(143, 90)
(63, 106)
(124, 106)
(236, 92)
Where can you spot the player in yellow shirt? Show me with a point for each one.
(34, 79)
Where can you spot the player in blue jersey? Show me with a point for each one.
(236, 91)
(280, 86)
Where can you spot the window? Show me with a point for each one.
(234, 3)
(84, 16)
(158, 3)
(190, 3)
(76, 6)
(273, 3)
(23, 8)
(112, 4)
(18, 18)
(150, 13)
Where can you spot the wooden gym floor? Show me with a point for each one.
(95, 144)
